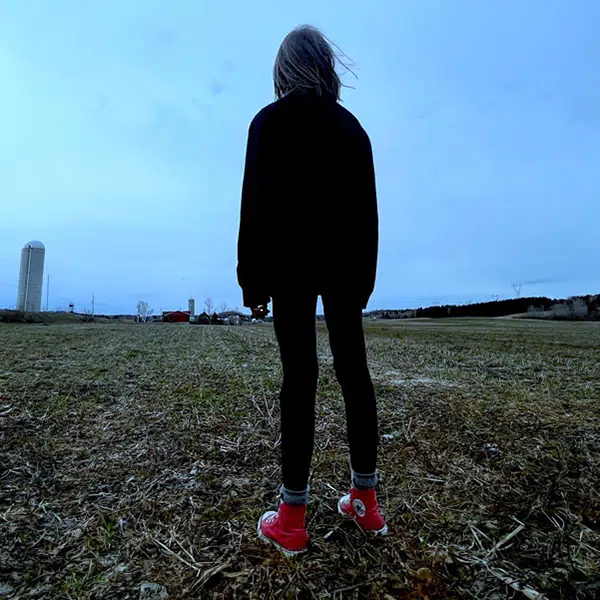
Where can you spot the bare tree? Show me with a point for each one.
(209, 306)
(223, 308)
(561, 310)
(579, 307)
(144, 312)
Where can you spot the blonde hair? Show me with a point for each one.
(306, 62)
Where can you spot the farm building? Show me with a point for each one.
(203, 319)
(176, 316)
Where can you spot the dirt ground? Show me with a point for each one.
(146, 453)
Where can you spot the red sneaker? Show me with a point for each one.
(285, 528)
(362, 507)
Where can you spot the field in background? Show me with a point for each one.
(134, 454)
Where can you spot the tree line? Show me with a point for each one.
(541, 307)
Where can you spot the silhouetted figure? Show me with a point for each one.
(309, 227)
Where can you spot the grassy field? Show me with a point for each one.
(132, 454)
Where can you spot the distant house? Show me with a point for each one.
(215, 319)
(176, 316)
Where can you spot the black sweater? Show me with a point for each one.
(309, 206)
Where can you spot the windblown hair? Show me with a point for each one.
(306, 63)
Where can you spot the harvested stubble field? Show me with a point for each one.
(134, 454)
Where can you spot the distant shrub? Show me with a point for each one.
(535, 312)
(16, 316)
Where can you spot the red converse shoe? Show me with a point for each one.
(285, 529)
(362, 507)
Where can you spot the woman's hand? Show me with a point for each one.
(260, 312)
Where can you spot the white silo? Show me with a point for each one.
(31, 277)
(192, 307)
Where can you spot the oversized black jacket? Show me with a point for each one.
(309, 207)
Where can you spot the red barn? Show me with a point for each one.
(176, 316)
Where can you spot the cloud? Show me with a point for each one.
(216, 87)
(164, 37)
(541, 281)
(228, 66)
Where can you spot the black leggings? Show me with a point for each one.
(294, 320)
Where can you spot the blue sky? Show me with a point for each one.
(123, 128)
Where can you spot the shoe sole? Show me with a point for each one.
(287, 553)
(383, 531)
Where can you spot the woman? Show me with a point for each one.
(309, 227)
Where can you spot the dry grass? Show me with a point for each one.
(147, 453)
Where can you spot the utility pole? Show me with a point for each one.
(93, 303)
